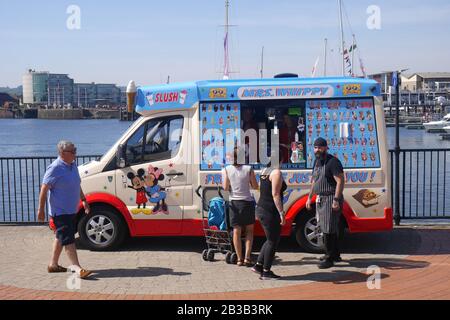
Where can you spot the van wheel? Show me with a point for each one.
(307, 232)
(102, 229)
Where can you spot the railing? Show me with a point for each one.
(20, 185)
(424, 189)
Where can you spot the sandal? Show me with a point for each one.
(240, 263)
(85, 273)
(56, 269)
(248, 263)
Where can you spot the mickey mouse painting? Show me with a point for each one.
(156, 193)
(138, 184)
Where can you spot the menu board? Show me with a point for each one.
(220, 131)
(349, 128)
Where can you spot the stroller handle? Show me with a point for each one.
(219, 190)
(197, 191)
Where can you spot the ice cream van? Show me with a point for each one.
(145, 185)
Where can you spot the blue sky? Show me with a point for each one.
(148, 40)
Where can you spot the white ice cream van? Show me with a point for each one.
(145, 184)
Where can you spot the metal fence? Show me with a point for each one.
(424, 189)
(21, 178)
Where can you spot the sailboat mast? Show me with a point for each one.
(342, 37)
(325, 59)
(353, 56)
(262, 63)
(226, 57)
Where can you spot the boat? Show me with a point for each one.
(438, 126)
(447, 129)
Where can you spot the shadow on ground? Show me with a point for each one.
(403, 241)
(139, 272)
(385, 263)
(335, 276)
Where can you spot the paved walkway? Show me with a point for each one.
(414, 264)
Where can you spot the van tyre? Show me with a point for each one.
(307, 234)
(102, 230)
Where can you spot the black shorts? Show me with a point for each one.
(65, 228)
(242, 213)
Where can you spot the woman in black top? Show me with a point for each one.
(270, 213)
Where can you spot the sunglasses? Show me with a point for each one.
(74, 151)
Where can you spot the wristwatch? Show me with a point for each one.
(336, 199)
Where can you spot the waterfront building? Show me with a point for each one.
(416, 89)
(85, 95)
(59, 90)
(35, 87)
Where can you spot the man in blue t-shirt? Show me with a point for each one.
(61, 186)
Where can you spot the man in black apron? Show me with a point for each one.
(328, 185)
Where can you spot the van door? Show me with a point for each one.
(153, 183)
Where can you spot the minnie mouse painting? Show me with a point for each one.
(138, 184)
(154, 191)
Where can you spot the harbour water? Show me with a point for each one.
(423, 189)
(35, 137)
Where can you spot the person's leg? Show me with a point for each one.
(273, 239)
(237, 242)
(328, 261)
(334, 253)
(71, 252)
(260, 259)
(248, 242)
(56, 253)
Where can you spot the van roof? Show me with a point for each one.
(184, 95)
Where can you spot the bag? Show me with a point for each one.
(216, 213)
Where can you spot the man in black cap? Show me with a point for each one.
(328, 185)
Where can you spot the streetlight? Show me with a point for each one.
(396, 79)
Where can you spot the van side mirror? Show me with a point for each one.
(121, 157)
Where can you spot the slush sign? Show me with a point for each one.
(288, 92)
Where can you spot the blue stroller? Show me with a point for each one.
(218, 234)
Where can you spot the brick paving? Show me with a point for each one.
(414, 263)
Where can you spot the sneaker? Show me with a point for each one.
(326, 264)
(336, 259)
(257, 268)
(269, 275)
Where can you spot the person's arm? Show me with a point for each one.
(277, 182)
(253, 182)
(338, 175)
(311, 194)
(339, 191)
(87, 208)
(42, 200)
(225, 180)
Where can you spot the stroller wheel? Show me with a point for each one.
(205, 255)
(210, 255)
(228, 257)
(233, 258)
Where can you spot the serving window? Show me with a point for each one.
(288, 127)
